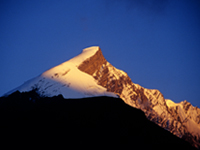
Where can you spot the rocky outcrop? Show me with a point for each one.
(178, 120)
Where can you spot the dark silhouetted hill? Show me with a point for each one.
(30, 121)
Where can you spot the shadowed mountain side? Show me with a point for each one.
(88, 122)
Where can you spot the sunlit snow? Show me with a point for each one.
(67, 79)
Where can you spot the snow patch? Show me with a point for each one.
(170, 103)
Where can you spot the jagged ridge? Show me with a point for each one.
(151, 101)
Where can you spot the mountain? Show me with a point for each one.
(89, 74)
(29, 120)
(67, 79)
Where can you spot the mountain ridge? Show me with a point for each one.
(86, 122)
(151, 101)
(90, 74)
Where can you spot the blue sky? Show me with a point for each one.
(156, 42)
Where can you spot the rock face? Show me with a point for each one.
(181, 119)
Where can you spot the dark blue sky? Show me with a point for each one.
(156, 42)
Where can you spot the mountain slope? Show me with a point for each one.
(90, 74)
(88, 122)
(151, 101)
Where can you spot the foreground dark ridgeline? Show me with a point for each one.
(27, 118)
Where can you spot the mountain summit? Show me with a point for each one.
(67, 79)
(89, 74)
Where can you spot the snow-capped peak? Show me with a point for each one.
(67, 79)
(86, 53)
